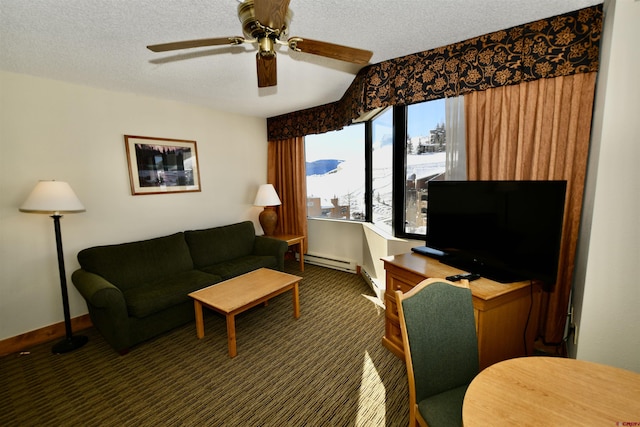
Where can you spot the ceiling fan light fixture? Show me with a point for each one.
(265, 45)
(254, 29)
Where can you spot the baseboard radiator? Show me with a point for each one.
(349, 266)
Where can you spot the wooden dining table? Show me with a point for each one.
(552, 391)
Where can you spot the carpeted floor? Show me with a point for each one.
(327, 368)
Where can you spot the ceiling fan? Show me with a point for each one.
(265, 23)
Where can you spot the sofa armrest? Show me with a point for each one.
(269, 246)
(107, 308)
(96, 290)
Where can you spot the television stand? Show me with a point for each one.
(503, 322)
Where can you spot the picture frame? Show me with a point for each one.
(162, 165)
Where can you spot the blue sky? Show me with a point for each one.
(425, 116)
(342, 145)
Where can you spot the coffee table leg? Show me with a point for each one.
(231, 335)
(296, 302)
(199, 321)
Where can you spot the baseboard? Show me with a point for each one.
(374, 287)
(42, 335)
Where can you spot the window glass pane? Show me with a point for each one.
(425, 159)
(382, 170)
(335, 174)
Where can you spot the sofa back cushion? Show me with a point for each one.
(219, 244)
(129, 264)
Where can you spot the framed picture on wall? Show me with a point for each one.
(162, 165)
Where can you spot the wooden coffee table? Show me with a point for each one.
(241, 293)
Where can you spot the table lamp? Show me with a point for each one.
(56, 198)
(267, 198)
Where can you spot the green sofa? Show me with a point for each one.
(137, 290)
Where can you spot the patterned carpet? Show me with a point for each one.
(327, 368)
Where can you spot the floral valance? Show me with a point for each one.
(558, 46)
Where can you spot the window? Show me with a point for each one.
(382, 170)
(402, 147)
(424, 160)
(335, 169)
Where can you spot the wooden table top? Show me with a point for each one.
(289, 238)
(552, 391)
(239, 291)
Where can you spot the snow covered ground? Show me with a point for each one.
(346, 182)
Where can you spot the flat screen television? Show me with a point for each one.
(505, 231)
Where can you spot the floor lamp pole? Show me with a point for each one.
(71, 342)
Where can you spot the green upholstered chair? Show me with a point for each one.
(441, 349)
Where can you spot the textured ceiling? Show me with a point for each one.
(103, 44)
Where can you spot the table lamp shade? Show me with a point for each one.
(267, 196)
(52, 197)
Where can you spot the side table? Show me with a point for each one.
(293, 240)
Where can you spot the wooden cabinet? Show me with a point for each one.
(506, 314)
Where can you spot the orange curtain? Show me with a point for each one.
(286, 171)
(538, 130)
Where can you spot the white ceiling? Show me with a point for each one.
(102, 43)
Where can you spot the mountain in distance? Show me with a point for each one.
(321, 167)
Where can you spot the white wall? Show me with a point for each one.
(607, 285)
(378, 244)
(54, 130)
(335, 238)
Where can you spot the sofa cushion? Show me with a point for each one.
(220, 244)
(151, 297)
(238, 266)
(126, 265)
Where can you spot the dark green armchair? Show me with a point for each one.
(441, 349)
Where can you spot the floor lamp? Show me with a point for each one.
(56, 198)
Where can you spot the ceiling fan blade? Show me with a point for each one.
(188, 44)
(330, 50)
(271, 13)
(267, 70)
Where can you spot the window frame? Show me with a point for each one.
(399, 171)
(398, 199)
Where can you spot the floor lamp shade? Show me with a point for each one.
(56, 198)
(267, 197)
(52, 197)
